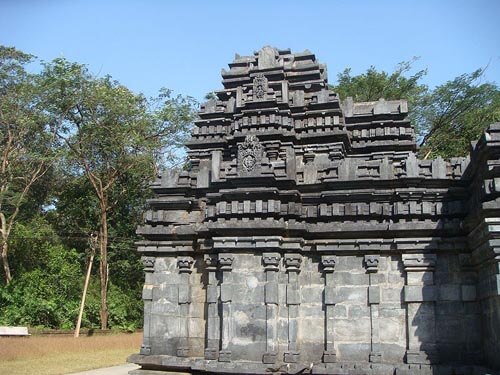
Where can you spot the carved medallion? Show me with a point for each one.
(259, 86)
(249, 155)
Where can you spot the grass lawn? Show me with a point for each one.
(51, 355)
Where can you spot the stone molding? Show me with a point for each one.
(293, 262)
(148, 263)
(185, 264)
(419, 262)
(371, 262)
(328, 262)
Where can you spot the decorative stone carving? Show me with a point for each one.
(419, 262)
(211, 261)
(259, 86)
(226, 262)
(249, 155)
(148, 263)
(371, 262)
(271, 260)
(329, 262)
(293, 261)
(184, 264)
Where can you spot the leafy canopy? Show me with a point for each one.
(446, 118)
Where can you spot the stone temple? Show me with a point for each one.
(307, 237)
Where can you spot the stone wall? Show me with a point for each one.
(307, 237)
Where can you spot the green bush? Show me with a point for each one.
(47, 296)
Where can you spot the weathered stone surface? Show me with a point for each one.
(308, 237)
(416, 293)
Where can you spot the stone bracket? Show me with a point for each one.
(329, 262)
(371, 263)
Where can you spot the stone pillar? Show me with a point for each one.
(419, 295)
(292, 264)
(328, 262)
(226, 296)
(213, 321)
(147, 297)
(184, 264)
(271, 263)
(371, 264)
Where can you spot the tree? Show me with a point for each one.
(111, 133)
(27, 143)
(32, 298)
(456, 113)
(446, 118)
(374, 84)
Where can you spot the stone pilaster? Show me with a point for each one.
(310, 169)
(213, 320)
(420, 297)
(329, 262)
(147, 297)
(271, 263)
(184, 263)
(226, 297)
(371, 264)
(292, 264)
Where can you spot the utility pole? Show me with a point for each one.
(93, 247)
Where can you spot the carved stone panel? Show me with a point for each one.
(259, 87)
(249, 156)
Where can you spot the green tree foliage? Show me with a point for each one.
(447, 118)
(114, 138)
(29, 241)
(46, 296)
(373, 84)
(27, 143)
(96, 145)
(456, 113)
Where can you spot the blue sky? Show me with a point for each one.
(182, 45)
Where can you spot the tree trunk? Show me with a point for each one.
(103, 266)
(5, 262)
(4, 244)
